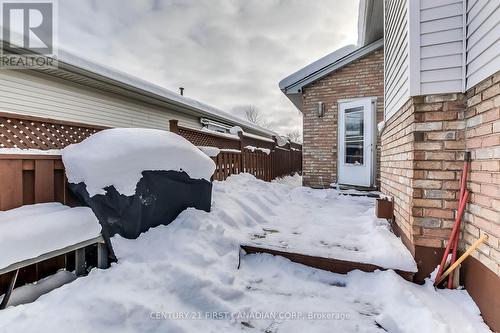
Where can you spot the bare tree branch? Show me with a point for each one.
(253, 115)
(294, 136)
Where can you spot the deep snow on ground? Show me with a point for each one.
(184, 277)
(322, 223)
(292, 181)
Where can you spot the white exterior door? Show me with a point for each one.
(356, 143)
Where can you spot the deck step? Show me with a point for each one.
(327, 264)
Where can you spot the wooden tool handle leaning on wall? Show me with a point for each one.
(462, 258)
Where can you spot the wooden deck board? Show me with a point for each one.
(328, 264)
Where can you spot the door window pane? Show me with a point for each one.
(354, 135)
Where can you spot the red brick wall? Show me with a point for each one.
(396, 165)
(483, 141)
(422, 155)
(422, 150)
(362, 78)
(438, 162)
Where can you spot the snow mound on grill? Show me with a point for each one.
(119, 156)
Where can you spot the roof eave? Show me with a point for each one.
(79, 69)
(178, 105)
(355, 55)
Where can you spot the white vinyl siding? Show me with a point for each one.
(441, 46)
(27, 93)
(396, 55)
(483, 40)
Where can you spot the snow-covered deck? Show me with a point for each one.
(322, 223)
(189, 277)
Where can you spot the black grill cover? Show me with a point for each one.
(159, 198)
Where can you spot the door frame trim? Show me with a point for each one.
(373, 100)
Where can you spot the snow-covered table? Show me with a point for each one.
(34, 233)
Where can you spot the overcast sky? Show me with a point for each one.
(225, 53)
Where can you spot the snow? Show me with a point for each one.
(281, 141)
(235, 130)
(32, 230)
(356, 300)
(292, 181)
(19, 151)
(183, 276)
(317, 66)
(230, 150)
(118, 156)
(338, 226)
(209, 151)
(258, 137)
(223, 135)
(31, 292)
(264, 150)
(380, 126)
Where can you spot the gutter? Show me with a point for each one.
(344, 61)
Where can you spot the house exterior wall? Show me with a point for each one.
(396, 76)
(438, 47)
(396, 166)
(421, 164)
(453, 107)
(422, 147)
(361, 78)
(439, 42)
(482, 138)
(483, 40)
(424, 43)
(35, 94)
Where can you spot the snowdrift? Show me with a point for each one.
(189, 276)
(135, 179)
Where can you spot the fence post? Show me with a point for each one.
(289, 159)
(242, 159)
(273, 159)
(276, 159)
(174, 126)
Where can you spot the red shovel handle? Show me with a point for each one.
(454, 233)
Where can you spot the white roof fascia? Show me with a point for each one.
(339, 63)
(315, 67)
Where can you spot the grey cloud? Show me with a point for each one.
(226, 53)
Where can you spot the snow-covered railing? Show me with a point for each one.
(262, 157)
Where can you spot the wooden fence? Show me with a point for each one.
(28, 179)
(234, 158)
